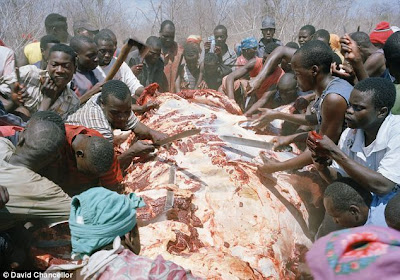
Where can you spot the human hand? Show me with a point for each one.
(157, 136)
(218, 50)
(252, 86)
(266, 117)
(321, 146)
(151, 105)
(140, 148)
(202, 85)
(269, 165)
(345, 72)
(4, 196)
(49, 88)
(350, 49)
(207, 46)
(137, 69)
(280, 142)
(18, 94)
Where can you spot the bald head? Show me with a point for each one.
(41, 142)
(287, 87)
(287, 80)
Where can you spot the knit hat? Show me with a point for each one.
(98, 216)
(381, 33)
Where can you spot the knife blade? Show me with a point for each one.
(169, 203)
(248, 142)
(177, 136)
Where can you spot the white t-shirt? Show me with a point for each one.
(124, 74)
(6, 61)
(382, 155)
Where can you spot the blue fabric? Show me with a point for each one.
(338, 86)
(98, 216)
(376, 214)
(9, 119)
(249, 43)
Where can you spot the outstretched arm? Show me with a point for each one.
(273, 60)
(262, 101)
(369, 179)
(237, 74)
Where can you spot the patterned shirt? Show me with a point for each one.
(229, 58)
(66, 104)
(92, 116)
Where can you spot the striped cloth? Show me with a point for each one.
(66, 104)
(92, 116)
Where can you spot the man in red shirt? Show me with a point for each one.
(90, 161)
(87, 159)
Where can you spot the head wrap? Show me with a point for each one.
(335, 42)
(249, 43)
(98, 216)
(367, 252)
(381, 33)
(194, 39)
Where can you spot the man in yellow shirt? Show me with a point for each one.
(56, 25)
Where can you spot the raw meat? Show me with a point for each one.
(226, 222)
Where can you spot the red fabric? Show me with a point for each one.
(76, 178)
(381, 33)
(2, 43)
(269, 81)
(9, 130)
(241, 60)
(172, 61)
(382, 25)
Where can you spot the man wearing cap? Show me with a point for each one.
(268, 31)
(84, 28)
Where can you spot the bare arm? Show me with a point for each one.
(272, 62)
(374, 65)
(333, 109)
(367, 178)
(178, 83)
(262, 101)
(200, 79)
(237, 74)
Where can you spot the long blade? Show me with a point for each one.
(178, 136)
(248, 142)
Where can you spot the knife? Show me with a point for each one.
(169, 203)
(248, 142)
(177, 136)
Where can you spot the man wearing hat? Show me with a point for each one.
(268, 31)
(84, 28)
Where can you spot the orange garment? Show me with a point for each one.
(241, 61)
(9, 130)
(75, 178)
(269, 81)
(172, 61)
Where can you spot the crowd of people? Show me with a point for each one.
(58, 113)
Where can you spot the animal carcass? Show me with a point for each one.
(226, 221)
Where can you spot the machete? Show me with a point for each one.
(177, 136)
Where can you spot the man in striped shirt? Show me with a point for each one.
(111, 109)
